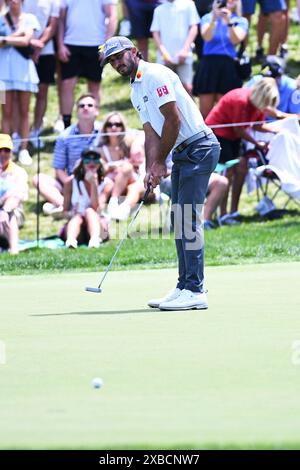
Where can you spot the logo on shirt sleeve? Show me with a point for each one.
(162, 90)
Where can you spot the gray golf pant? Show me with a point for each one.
(190, 175)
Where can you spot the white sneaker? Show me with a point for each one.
(51, 209)
(112, 205)
(71, 243)
(94, 242)
(122, 212)
(187, 300)
(24, 157)
(58, 126)
(33, 136)
(172, 295)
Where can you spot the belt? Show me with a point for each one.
(190, 140)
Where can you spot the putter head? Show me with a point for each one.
(93, 289)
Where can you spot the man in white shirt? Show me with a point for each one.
(174, 43)
(172, 122)
(83, 26)
(47, 13)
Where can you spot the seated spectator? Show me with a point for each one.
(124, 157)
(243, 105)
(67, 151)
(174, 44)
(289, 102)
(13, 191)
(222, 30)
(81, 201)
(17, 71)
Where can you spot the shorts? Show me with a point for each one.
(230, 149)
(46, 69)
(267, 6)
(140, 20)
(216, 74)
(184, 72)
(83, 62)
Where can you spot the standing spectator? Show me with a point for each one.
(17, 70)
(47, 13)
(13, 191)
(275, 11)
(67, 151)
(83, 25)
(81, 199)
(141, 15)
(203, 7)
(222, 30)
(243, 105)
(174, 44)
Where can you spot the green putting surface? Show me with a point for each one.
(228, 376)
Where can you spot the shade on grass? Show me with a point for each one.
(224, 377)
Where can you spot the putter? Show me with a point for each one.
(98, 289)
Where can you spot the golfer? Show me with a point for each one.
(172, 122)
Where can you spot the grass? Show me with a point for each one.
(222, 378)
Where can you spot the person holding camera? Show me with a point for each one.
(222, 30)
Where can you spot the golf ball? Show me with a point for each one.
(97, 382)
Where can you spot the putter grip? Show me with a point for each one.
(147, 192)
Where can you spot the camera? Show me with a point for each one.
(221, 3)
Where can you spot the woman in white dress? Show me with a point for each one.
(18, 74)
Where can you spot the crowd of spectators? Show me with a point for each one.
(95, 164)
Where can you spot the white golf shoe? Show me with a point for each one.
(172, 295)
(187, 300)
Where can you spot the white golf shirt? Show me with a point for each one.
(156, 85)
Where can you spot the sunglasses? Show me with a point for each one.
(83, 105)
(5, 149)
(87, 160)
(112, 124)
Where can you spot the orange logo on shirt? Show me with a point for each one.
(163, 90)
(139, 74)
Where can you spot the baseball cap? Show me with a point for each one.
(6, 142)
(91, 153)
(114, 45)
(273, 66)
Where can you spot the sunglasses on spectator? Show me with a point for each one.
(112, 124)
(5, 149)
(87, 160)
(83, 105)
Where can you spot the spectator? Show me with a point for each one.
(82, 192)
(140, 15)
(216, 74)
(13, 191)
(289, 102)
(82, 27)
(203, 7)
(243, 105)
(125, 161)
(174, 45)
(17, 70)
(275, 10)
(47, 13)
(67, 151)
